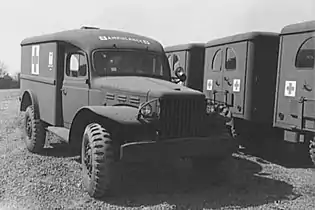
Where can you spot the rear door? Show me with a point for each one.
(234, 71)
(295, 100)
(213, 87)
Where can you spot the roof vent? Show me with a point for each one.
(89, 27)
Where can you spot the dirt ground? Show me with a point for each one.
(53, 180)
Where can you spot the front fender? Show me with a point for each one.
(122, 119)
(124, 115)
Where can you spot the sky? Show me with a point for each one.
(170, 22)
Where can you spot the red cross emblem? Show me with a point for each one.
(35, 59)
(290, 88)
(236, 85)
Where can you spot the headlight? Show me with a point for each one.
(146, 110)
(149, 109)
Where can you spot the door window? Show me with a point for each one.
(230, 59)
(217, 61)
(76, 65)
(305, 55)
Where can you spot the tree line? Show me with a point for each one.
(8, 81)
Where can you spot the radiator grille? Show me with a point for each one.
(181, 117)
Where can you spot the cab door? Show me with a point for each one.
(75, 87)
(213, 83)
(234, 71)
(296, 97)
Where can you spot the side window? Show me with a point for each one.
(230, 59)
(217, 61)
(76, 65)
(305, 55)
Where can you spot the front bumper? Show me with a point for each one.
(213, 146)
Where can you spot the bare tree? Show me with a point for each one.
(3, 69)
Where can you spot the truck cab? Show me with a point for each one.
(189, 59)
(109, 95)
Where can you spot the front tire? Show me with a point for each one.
(99, 166)
(35, 133)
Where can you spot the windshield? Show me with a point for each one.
(129, 63)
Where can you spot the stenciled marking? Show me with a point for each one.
(142, 41)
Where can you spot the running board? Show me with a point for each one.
(60, 132)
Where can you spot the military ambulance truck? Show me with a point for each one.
(109, 95)
(295, 91)
(240, 75)
(188, 59)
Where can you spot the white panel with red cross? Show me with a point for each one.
(35, 59)
(236, 85)
(290, 88)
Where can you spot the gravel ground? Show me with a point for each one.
(53, 181)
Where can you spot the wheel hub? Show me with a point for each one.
(28, 127)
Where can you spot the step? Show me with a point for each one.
(60, 132)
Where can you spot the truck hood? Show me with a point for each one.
(143, 86)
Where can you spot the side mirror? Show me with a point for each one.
(180, 74)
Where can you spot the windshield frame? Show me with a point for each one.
(162, 55)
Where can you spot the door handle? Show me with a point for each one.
(228, 81)
(63, 90)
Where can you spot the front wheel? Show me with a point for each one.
(99, 166)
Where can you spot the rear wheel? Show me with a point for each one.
(34, 131)
(99, 165)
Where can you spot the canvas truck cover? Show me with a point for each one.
(234, 64)
(295, 98)
(90, 39)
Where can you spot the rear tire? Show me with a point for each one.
(99, 165)
(34, 131)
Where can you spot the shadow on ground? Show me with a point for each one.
(286, 154)
(183, 187)
(57, 150)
